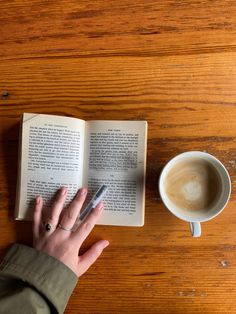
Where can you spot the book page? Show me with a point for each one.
(116, 156)
(51, 156)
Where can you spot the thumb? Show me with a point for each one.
(90, 256)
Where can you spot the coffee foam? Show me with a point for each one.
(193, 185)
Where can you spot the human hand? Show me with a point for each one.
(61, 242)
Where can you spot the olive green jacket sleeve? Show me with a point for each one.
(34, 282)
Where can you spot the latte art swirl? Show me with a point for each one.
(193, 184)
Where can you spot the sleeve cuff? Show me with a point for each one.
(49, 276)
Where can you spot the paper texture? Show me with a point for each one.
(116, 157)
(61, 151)
(51, 156)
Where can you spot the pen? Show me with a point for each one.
(94, 201)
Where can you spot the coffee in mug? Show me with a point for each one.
(195, 186)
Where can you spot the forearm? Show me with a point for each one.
(34, 282)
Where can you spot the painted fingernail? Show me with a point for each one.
(82, 191)
(63, 191)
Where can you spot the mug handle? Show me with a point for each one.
(195, 228)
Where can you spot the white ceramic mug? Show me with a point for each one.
(196, 217)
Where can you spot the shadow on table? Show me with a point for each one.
(9, 148)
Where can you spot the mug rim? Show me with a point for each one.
(174, 212)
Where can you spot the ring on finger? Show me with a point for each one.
(48, 226)
(64, 228)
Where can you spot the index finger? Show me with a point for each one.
(87, 225)
(70, 215)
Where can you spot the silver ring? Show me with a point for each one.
(64, 228)
(48, 227)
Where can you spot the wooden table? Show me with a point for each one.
(172, 63)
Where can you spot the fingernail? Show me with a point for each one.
(82, 191)
(100, 207)
(38, 200)
(63, 191)
(106, 243)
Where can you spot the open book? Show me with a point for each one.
(60, 151)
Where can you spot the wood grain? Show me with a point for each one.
(171, 63)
